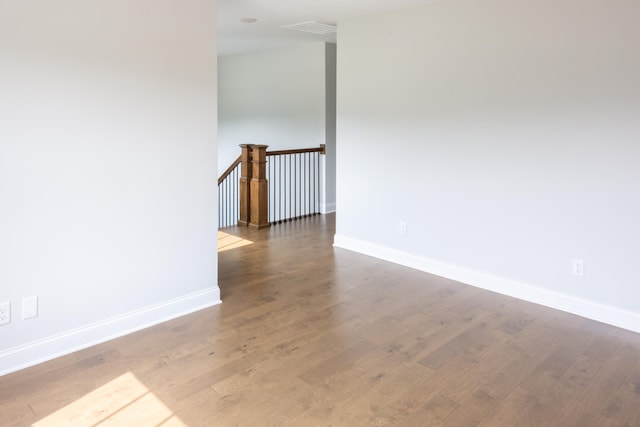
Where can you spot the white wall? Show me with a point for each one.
(506, 135)
(278, 98)
(330, 126)
(107, 169)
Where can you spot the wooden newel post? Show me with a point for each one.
(259, 188)
(245, 181)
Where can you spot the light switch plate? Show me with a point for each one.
(30, 307)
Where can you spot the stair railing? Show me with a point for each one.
(263, 187)
(229, 195)
(294, 189)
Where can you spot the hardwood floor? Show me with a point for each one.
(309, 335)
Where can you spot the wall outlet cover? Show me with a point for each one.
(578, 267)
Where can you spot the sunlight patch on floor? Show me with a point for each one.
(227, 241)
(125, 401)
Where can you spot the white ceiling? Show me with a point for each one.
(235, 36)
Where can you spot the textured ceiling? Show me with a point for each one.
(235, 36)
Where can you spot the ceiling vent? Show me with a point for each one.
(313, 27)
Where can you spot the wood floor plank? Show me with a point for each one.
(312, 335)
(461, 341)
(558, 362)
(481, 390)
(598, 400)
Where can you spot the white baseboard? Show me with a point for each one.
(328, 208)
(585, 308)
(33, 353)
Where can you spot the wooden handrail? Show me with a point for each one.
(321, 149)
(236, 162)
(230, 169)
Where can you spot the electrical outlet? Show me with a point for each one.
(403, 228)
(5, 312)
(578, 267)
